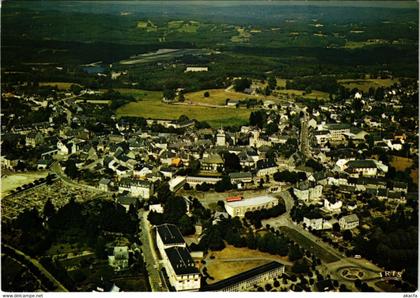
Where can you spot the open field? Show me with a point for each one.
(309, 245)
(365, 84)
(315, 94)
(60, 85)
(11, 182)
(150, 106)
(220, 270)
(219, 96)
(233, 260)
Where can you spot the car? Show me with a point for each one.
(357, 256)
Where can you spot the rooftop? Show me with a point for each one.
(170, 234)
(181, 260)
(252, 201)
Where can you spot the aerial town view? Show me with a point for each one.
(209, 146)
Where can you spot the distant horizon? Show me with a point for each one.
(397, 4)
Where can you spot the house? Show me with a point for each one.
(119, 259)
(314, 223)
(158, 208)
(348, 222)
(43, 164)
(332, 206)
(126, 201)
(139, 188)
(358, 168)
(34, 139)
(212, 163)
(266, 167)
(241, 178)
(104, 184)
(306, 193)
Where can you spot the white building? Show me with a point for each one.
(176, 182)
(308, 194)
(136, 188)
(239, 208)
(332, 207)
(177, 260)
(348, 222)
(221, 138)
(119, 259)
(196, 69)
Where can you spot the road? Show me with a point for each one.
(370, 270)
(60, 287)
(149, 254)
(56, 169)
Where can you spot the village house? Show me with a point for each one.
(348, 222)
(119, 259)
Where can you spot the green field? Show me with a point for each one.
(151, 106)
(309, 245)
(365, 84)
(219, 96)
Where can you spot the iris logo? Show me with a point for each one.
(387, 275)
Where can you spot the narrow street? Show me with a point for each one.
(149, 255)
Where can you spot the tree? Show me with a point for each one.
(336, 227)
(186, 226)
(169, 94)
(272, 83)
(49, 209)
(300, 266)
(100, 247)
(206, 94)
(347, 235)
(231, 162)
(241, 84)
(223, 184)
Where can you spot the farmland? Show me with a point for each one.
(364, 85)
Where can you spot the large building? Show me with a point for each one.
(136, 188)
(240, 207)
(177, 260)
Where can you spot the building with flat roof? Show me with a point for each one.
(168, 235)
(239, 208)
(176, 258)
(181, 270)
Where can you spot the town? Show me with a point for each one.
(296, 200)
(211, 146)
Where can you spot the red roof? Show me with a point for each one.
(234, 199)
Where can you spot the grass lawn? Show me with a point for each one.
(220, 270)
(151, 106)
(309, 245)
(365, 84)
(315, 94)
(227, 262)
